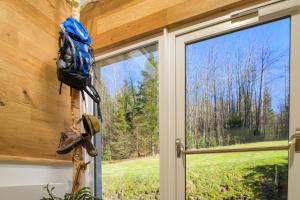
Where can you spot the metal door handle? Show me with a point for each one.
(181, 150)
(295, 140)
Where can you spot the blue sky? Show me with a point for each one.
(130, 69)
(274, 35)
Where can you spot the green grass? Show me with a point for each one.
(253, 175)
(131, 179)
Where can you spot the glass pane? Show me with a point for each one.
(237, 95)
(245, 176)
(129, 91)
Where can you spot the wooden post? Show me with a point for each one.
(75, 107)
(76, 9)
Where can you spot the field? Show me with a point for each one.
(253, 175)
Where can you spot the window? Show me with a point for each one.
(235, 101)
(130, 132)
(215, 119)
(237, 95)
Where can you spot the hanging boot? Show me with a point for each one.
(68, 141)
(88, 145)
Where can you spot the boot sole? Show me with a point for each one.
(69, 147)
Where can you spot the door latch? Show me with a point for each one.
(179, 147)
(295, 140)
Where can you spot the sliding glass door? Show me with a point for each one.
(237, 100)
(206, 112)
(237, 96)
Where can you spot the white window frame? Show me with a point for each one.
(163, 102)
(237, 20)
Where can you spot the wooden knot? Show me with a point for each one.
(2, 103)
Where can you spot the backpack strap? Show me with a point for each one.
(61, 42)
(83, 99)
(80, 59)
(92, 92)
(73, 50)
(95, 96)
(93, 61)
(92, 54)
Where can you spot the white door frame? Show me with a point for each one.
(294, 158)
(236, 20)
(164, 110)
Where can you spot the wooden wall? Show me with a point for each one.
(112, 23)
(32, 113)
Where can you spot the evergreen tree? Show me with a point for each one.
(120, 140)
(148, 98)
(132, 116)
(268, 116)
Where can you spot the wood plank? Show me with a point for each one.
(130, 31)
(28, 65)
(29, 13)
(24, 35)
(150, 16)
(132, 13)
(53, 9)
(25, 78)
(191, 9)
(103, 7)
(34, 140)
(32, 112)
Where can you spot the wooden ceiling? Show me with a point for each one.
(116, 22)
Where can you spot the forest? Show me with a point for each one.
(237, 90)
(130, 124)
(237, 97)
(235, 93)
(243, 100)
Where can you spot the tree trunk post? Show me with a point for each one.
(77, 157)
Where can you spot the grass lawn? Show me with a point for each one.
(253, 175)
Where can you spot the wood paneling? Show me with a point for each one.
(132, 13)
(111, 23)
(32, 113)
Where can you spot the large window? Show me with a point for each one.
(237, 87)
(237, 95)
(215, 121)
(130, 134)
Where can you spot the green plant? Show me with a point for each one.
(83, 194)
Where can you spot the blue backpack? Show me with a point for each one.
(76, 62)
